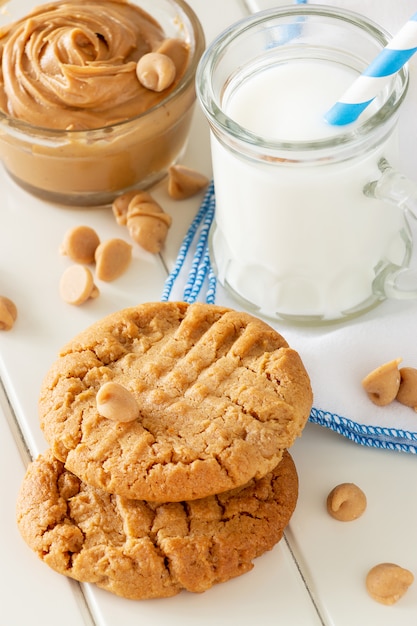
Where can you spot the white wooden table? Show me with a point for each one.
(316, 575)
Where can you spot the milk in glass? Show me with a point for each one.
(298, 237)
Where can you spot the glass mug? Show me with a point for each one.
(311, 221)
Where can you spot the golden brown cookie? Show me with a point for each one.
(220, 396)
(140, 550)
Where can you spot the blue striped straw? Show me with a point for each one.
(201, 260)
(196, 237)
(371, 82)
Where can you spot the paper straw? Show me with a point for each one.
(370, 83)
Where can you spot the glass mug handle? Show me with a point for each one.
(395, 281)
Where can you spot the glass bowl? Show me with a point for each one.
(91, 166)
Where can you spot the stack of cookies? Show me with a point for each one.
(168, 426)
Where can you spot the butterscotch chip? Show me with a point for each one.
(121, 204)
(77, 285)
(80, 243)
(221, 396)
(388, 582)
(141, 550)
(156, 71)
(147, 222)
(346, 502)
(184, 182)
(112, 259)
(8, 313)
(382, 384)
(407, 392)
(117, 403)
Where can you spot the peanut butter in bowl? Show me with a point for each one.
(96, 97)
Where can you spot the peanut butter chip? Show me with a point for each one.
(120, 206)
(184, 182)
(147, 222)
(80, 244)
(387, 583)
(77, 285)
(407, 393)
(383, 383)
(8, 313)
(156, 71)
(116, 403)
(346, 502)
(112, 259)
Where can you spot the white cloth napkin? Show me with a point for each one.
(336, 356)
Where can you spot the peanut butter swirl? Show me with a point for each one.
(72, 64)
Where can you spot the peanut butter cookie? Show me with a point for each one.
(220, 395)
(140, 550)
